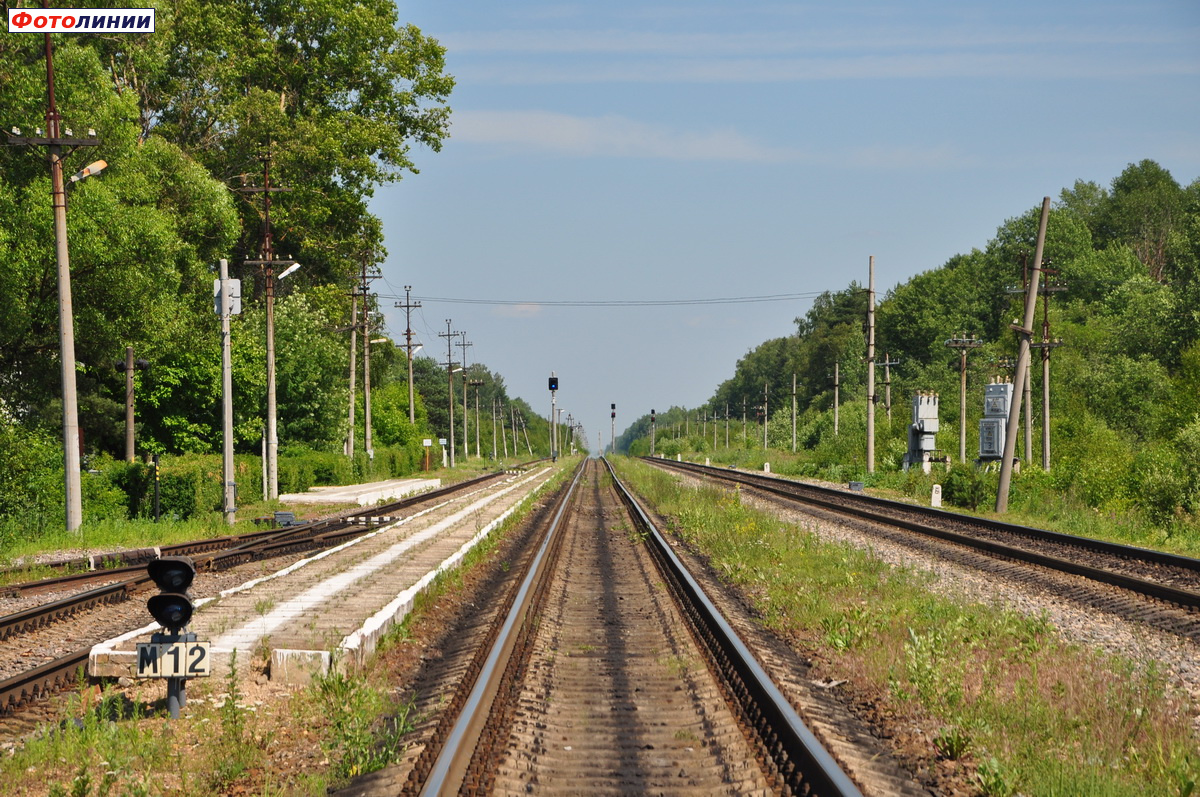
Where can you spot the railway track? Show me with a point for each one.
(1168, 583)
(30, 684)
(607, 668)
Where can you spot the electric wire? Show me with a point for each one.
(778, 297)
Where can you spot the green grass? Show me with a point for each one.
(1035, 714)
(109, 743)
(1034, 500)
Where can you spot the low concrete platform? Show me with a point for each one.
(362, 494)
(330, 609)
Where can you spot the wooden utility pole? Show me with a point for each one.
(1025, 331)
(129, 365)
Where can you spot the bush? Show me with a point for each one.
(1159, 481)
(964, 486)
(31, 483)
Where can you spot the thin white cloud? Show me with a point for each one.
(861, 40)
(794, 70)
(526, 310)
(619, 137)
(608, 136)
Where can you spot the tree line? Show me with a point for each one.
(1125, 403)
(334, 99)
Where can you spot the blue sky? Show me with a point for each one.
(650, 151)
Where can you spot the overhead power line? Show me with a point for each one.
(777, 297)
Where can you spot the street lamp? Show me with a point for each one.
(89, 170)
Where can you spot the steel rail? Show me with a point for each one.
(449, 769)
(803, 755)
(255, 540)
(319, 534)
(864, 508)
(100, 566)
(42, 680)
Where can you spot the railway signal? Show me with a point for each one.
(172, 607)
(553, 419)
(174, 655)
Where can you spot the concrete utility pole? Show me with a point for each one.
(1025, 331)
(613, 432)
(450, 336)
(726, 424)
(888, 362)
(229, 486)
(476, 383)
(268, 264)
(367, 341)
(871, 366)
(1029, 408)
(963, 344)
(349, 446)
(714, 430)
(54, 143)
(743, 421)
(504, 434)
(409, 306)
(466, 441)
(1046, 345)
(495, 432)
(652, 424)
